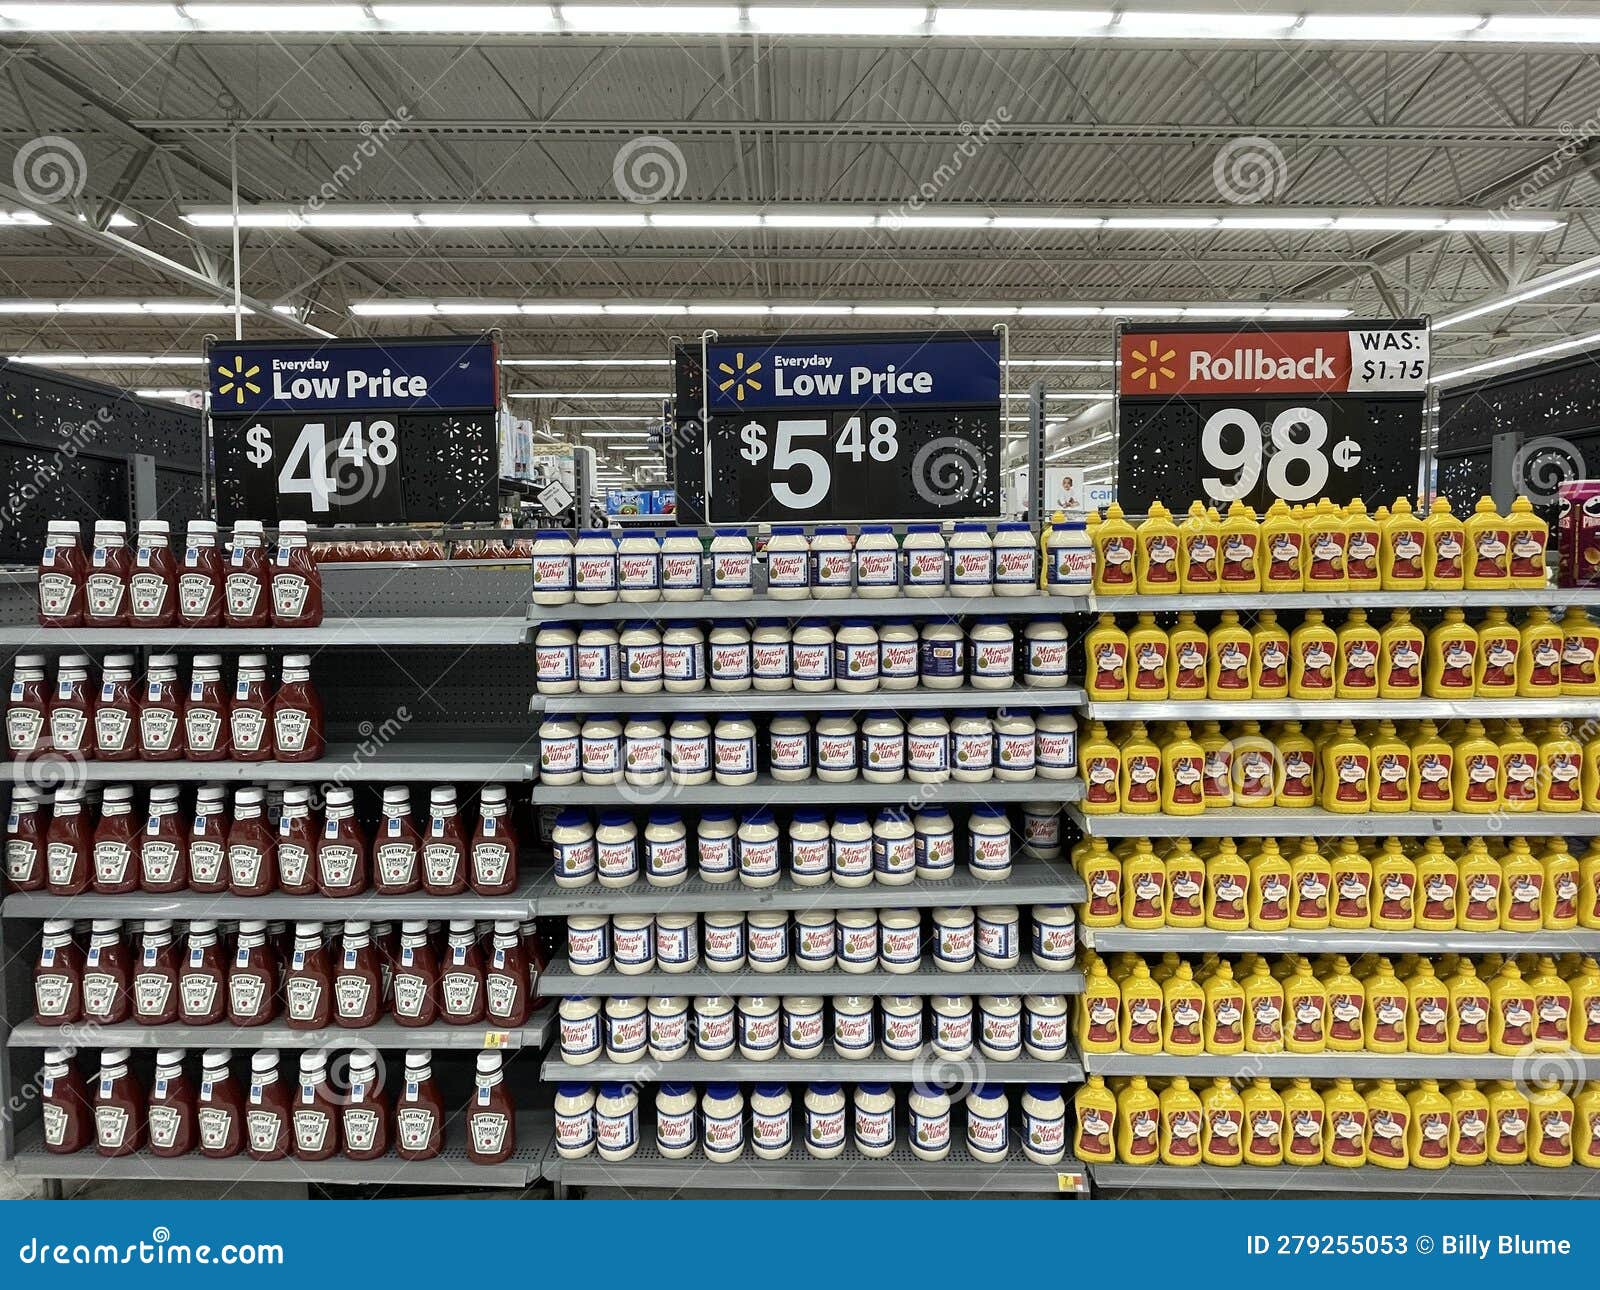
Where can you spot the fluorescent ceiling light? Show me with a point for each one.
(895, 311)
(642, 420)
(557, 308)
(50, 359)
(392, 308)
(780, 220)
(1489, 224)
(976, 311)
(706, 219)
(1044, 24)
(1288, 223)
(757, 308)
(748, 310)
(693, 19)
(1226, 311)
(1161, 222)
(1200, 26)
(476, 219)
(1522, 356)
(94, 17)
(1060, 311)
(935, 221)
(616, 434)
(32, 219)
(1388, 223)
(469, 308)
(593, 219)
(1047, 221)
(1557, 281)
(1554, 28)
(808, 310)
(466, 17)
(1378, 28)
(640, 307)
(279, 17)
(247, 219)
(365, 219)
(838, 20)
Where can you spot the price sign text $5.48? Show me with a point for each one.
(792, 450)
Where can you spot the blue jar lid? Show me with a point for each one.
(811, 622)
(594, 533)
(1012, 526)
(972, 528)
(744, 533)
(879, 714)
(773, 1090)
(989, 1090)
(788, 530)
(715, 816)
(666, 817)
(761, 815)
(555, 625)
(822, 1090)
(597, 716)
(614, 1090)
(733, 716)
(1044, 1092)
(675, 1090)
(808, 815)
(612, 818)
(572, 1090)
(871, 1090)
(877, 528)
(850, 817)
(922, 528)
(989, 812)
(688, 716)
(830, 530)
(544, 535)
(681, 532)
(854, 622)
(891, 814)
(721, 1092)
(571, 817)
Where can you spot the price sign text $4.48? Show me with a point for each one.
(310, 466)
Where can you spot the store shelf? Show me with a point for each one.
(187, 905)
(1279, 822)
(465, 632)
(1508, 599)
(707, 609)
(450, 1168)
(386, 1034)
(559, 978)
(1030, 883)
(1019, 696)
(416, 760)
(929, 1067)
(1523, 1067)
(1509, 1181)
(900, 1171)
(767, 791)
(1335, 709)
(1205, 940)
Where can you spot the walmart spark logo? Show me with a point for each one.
(238, 379)
(739, 375)
(1151, 367)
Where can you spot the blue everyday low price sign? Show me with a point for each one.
(415, 375)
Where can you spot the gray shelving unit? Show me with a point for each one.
(927, 1067)
(762, 701)
(385, 1034)
(766, 791)
(709, 610)
(1206, 940)
(1511, 1181)
(559, 978)
(415, 760)
(900, 1171)
(1031, 883)
(450, 1169)
(1279, 822)
(466, 632)
(1571, 1065)
(1335, 709)
(187, 905)
(1510, 599)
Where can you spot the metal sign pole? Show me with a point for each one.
(1036, 513)
(706, 337)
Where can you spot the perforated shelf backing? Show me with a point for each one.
(443, 692)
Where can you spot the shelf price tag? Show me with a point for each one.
(497, 1039)
(1071, 1182)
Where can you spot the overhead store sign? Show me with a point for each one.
(1267, 412)
(356, 432)
(819, 428)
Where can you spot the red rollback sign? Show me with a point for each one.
(1250, 360)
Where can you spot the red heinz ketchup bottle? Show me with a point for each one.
(25, 827)
(28, 707)
(61, 576)
(72, 708)
(153, 579)
(297, 728)
(164, 844)
(296, 580)
(161, 711)
(206, 730)
(200, 577)
(246, 579)
(105, 582)
(342, 847)
(116, 716)
(250, 716)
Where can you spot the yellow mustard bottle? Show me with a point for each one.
(1469, 1123)
(1271, 885)
(1304, 1116)
(1400, 649)
(1227, 888)
(1438, 883)
(1428, 1027)
(1522, 888)
(1550, 1126)
(1488, 548)
(1362, 548)
(1141, 772)
(1388, 1126)
(1394, 889)
(1095, 1110)
(1481, 888)
(1344, 1133)
(1562, 887)
(1222, 1118)
(1225, 1011)
(1499, 644)
(1113, 542)
(1186, 885)
(1584, 982)
(1580, 645)
(1451, 671)
(1255, 766)
(1282, 548)
(1265, 1002)
(1433, 760)
(1313, 649)
(1218, 749)
(1101, 869)
(1183, 764)
(1554, 1008)
(1428, 1139)
(1200, 566)
(1269, 658)
(1297, 766)
(1346, 773)
(1519, 769)
(1144, 888)
(1509, 1115)
(1402, 547)
(1352, 887)
(1589, 886)
(1470, 1007)
(1529, 536)
(1188, 658)
(1241, 549)
(1100, 765)
(1356, 669)
(1231, 648)
(1141, 1013)
(1347, 1006)
(1099, 1011)
(1511, 1012)
(1586, 1130)
(1477, 771)
(1264, 1119)
(1387, 1018)
(1444, 557)
(1138, 1123)
(1311, 878)
(1560, 769)
(1391, 770)
(1180, 1123)
(1326, 535)
(1156, 552)
(1106, 654)
(1184, 1013)
(1149, 655)
(1539, 656)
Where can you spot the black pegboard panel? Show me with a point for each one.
(38, 485)
(483, 689)
(178, 497)
(1558, 398)
(1463, 478)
